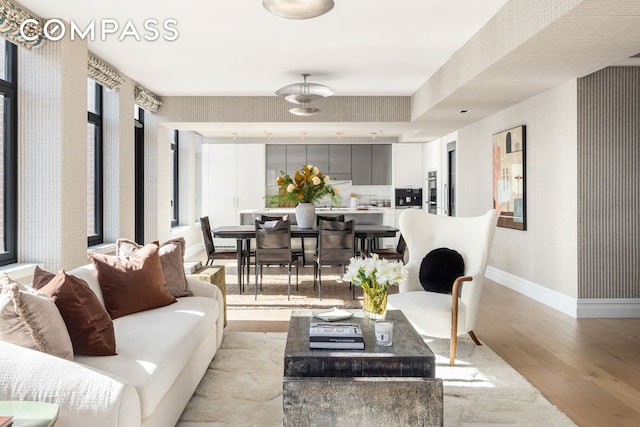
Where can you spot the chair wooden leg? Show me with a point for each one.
(320, 282)
(452, 350)
(474, 338)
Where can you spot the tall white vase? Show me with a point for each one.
(305, 215)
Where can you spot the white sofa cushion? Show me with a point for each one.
(154, 346)
(428, 312)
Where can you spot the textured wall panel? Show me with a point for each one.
(609, 183)
(546, 252)
(275, 109)
(52, 153)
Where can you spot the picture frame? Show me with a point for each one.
(509, 177)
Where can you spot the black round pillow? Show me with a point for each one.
(439, 269)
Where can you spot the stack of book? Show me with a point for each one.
(346, 336)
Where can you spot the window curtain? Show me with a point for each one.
(149, 101)
(11, 17)
(103, 73)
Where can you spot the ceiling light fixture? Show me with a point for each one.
(298, 9)
(304, 111)
(304, 93)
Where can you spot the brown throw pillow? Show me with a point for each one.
(172, 259)
(88, 323)
(133, 283)
(30, 319)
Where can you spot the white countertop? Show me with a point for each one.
(290, 211)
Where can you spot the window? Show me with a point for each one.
(139, 174)
(8, 153)
(175, 218)
(94, 163)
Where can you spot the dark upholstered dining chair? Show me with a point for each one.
(336, 244)
(393, 254)
(214, 254)
(273, 247)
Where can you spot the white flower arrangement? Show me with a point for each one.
(375, 275)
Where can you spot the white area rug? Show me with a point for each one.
(243, 387)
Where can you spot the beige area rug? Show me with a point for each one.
(243, 387)
(273, 295)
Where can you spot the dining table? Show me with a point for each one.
(367, 233)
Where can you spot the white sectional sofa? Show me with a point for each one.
(163, 354)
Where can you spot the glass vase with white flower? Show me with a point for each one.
(375, 276)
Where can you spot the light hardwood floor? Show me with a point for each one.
(589, 368)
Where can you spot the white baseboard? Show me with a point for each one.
(546, 296)
(577, 308)
(609, 308)
(194, 249)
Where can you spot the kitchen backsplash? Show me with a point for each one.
(367, 194)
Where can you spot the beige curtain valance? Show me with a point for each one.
(149, 101)
(103, 73)
(11, 17)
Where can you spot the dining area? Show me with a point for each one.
(331, 241)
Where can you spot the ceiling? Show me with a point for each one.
(236, 48)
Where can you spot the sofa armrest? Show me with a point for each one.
(86, 397)
(204, 289)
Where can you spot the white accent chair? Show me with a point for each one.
(445, 315)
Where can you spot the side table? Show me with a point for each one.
(215, 275)
(30, 414)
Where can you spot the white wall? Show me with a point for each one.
(546, 253)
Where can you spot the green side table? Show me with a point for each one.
(30, 414)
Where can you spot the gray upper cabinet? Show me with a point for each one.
(276, 161)
(361, 164)
(364, 164)
(318, 155)
(340, 161)
(296, 158)
(381, 164)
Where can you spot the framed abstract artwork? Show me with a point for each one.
(509, 173)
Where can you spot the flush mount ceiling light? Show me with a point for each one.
(304, 92)
(298, 9)
(304, 111)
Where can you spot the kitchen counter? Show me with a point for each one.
(370, 216)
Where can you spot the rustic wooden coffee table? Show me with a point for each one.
(376, 386)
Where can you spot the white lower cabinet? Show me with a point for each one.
(233, 179)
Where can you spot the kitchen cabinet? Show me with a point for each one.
(276, 161)
(340, 161)
(233, 181)
(296, 157)
(407, 161)
(361, 164)
(381, 164)
(318, 155)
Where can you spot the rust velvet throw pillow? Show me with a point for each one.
(132, 283)
(88, 323)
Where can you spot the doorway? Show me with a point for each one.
(451, 179)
